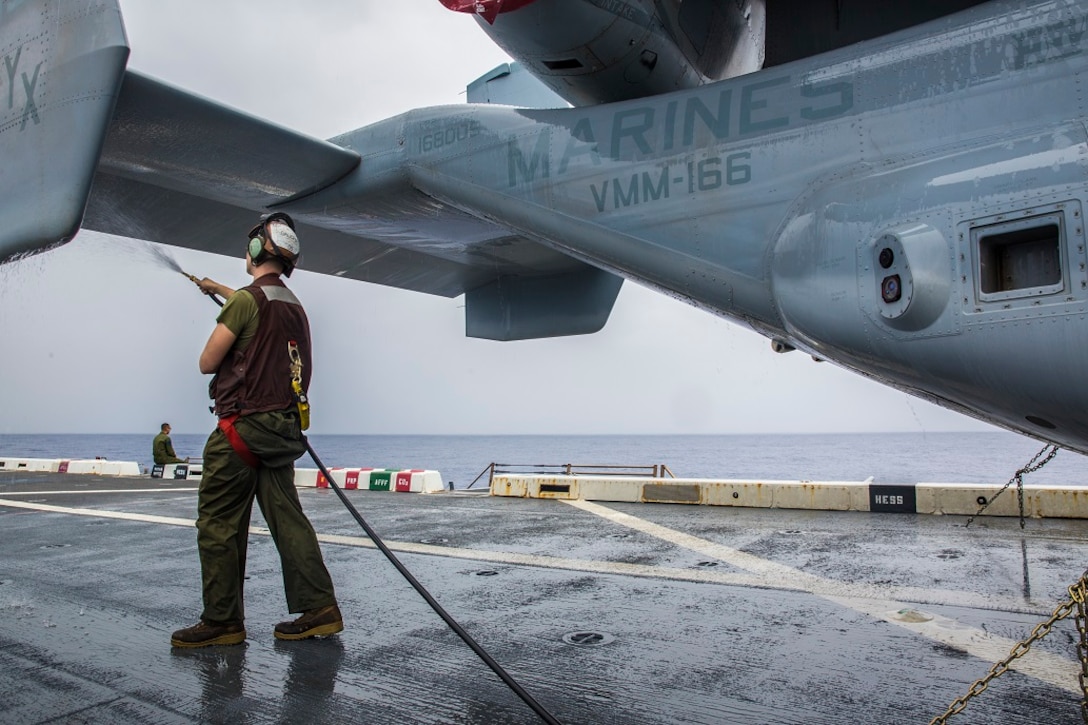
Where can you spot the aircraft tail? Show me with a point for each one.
(63, 63)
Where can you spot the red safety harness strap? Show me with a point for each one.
(227, 426)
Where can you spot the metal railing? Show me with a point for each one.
(659, 470)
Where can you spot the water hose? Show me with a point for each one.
(449, 620)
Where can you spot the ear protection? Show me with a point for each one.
(256, 249)
(257, 236)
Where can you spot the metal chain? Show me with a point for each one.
(1082, 646)
(1076, 601)
(1018, 479)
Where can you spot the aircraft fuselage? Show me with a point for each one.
(910, 208)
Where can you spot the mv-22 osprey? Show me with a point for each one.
(898, 188)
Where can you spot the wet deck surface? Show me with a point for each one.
(707, 615)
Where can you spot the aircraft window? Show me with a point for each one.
(1020, 257)
(565, 64)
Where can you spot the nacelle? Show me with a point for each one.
(591, 53)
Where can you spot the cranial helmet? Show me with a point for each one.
(279, 229)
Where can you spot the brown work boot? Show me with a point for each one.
(206, 634)
(314, 623)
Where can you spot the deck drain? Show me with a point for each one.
(588, 639)
(707, 563)
(53, 546)
(486, 572)
(434, 541)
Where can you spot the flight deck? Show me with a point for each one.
(605, 612)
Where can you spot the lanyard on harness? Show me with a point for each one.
(227, 426)
(296, 384)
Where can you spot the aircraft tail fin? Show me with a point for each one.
(62, 67)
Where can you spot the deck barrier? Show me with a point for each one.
(659, 470)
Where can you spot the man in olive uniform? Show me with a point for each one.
(162, 449)
(261, 337)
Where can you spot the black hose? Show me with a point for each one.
(488, 660)
(449, 620)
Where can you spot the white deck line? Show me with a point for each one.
(1054, 670)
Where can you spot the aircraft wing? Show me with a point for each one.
(182, 170)
(87, 143)
(133, 156)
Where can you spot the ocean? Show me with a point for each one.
(986, 457)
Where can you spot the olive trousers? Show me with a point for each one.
(225, 502)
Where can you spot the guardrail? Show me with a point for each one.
(659, 470)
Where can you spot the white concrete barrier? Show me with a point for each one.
(306, 477)
(101, 467)
(97, 466)
(963, 499)
(407, 480)
(35, 465)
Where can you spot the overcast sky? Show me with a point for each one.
(98, 338)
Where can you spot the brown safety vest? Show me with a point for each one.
(258, 379)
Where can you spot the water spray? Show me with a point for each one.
(438, 609)
(164, 259)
